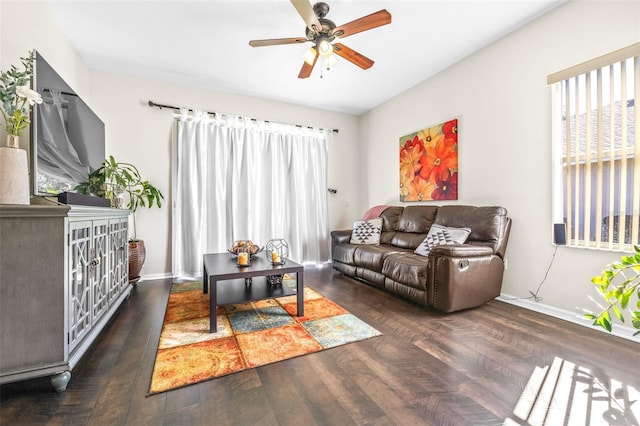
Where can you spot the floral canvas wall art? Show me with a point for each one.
(429, 163)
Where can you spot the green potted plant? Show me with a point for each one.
(619, 285)
(118, 181)
(16, 100)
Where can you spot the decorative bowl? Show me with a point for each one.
(245, 245)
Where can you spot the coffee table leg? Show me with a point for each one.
(205, 277)
(213, 308)
(300, 289)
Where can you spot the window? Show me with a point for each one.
(596, 165)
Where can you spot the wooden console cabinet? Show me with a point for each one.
(63, 274)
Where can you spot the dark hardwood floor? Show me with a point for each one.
(466, 368)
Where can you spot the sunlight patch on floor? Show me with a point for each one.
(564, 393)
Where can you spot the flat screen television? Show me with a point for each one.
(68, 138)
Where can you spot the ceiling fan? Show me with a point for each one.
(323, 33)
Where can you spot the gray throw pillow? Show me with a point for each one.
(366, 231)
(438, 235)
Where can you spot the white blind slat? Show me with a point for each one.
(612, 162)
(568, 169)
(635, 226)
(599, 151)
(622, 216)
(586, 202)
(576, 160)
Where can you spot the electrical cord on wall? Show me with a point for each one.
(534, 295)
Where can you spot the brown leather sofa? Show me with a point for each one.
(452, 277)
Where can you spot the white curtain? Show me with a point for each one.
(236, 178)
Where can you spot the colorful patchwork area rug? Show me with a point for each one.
(249, 335)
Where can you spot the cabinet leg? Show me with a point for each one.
(60, 381)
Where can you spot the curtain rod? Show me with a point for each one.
(153, 104)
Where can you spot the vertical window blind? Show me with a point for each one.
(599, 150)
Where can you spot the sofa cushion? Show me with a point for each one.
(372, 277)
(417, 219)
(390, 219)
(406, 268)
(439, 235)
(372, 256)
(413, 225)
(366, 231)
(486, 222)
(344, 253)
(407, 240)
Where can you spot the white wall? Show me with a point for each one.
(140, 134)
(503, 105)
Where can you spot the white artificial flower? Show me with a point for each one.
(31, 95)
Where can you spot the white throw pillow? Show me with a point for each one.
(366, 231)
(440, 235)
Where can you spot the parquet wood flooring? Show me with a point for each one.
(428, 368)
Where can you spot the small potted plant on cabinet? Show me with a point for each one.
(119, 181)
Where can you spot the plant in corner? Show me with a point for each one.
(113, 179)
(619, 285)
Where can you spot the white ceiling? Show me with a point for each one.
(205, 43)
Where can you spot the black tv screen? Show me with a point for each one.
(68, 138)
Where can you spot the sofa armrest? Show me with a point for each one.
(463, 276)
(460, 250)
(340, 236)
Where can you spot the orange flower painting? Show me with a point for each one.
(429, 163)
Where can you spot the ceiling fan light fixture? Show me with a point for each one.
(325, 48)
(310, 55)
(330, 61)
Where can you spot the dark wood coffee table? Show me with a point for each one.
(246, 283)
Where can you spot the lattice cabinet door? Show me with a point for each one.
(99, 267)
(80, 303)
(119, 261)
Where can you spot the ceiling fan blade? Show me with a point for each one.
(276, 41)
(308, 15)
(352, 56)
(306, 69)
(376, 19)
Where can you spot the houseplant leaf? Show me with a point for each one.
(618, 284)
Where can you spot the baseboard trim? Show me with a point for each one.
(622, 331)
(151, 277)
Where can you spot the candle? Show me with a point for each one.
(275, 257)
(243, 258)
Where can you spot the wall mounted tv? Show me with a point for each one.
(68, 138)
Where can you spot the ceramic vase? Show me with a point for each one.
(13, 141)
(137, 255)
(14, 173)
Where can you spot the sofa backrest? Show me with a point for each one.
(390, 217)
(489, 225)
(413, 225)
(406, 227)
